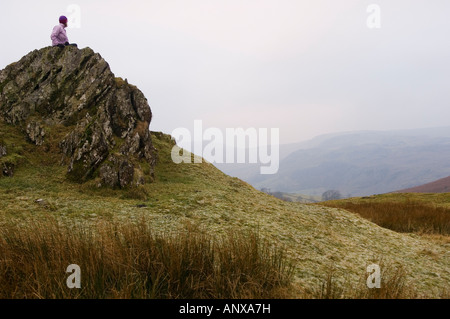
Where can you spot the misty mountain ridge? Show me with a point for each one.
(356, 163)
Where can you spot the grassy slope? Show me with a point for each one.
(317, 237)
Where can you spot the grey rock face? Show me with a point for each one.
(35, 133)
(119, 172)
(3, 151)
(103, 116)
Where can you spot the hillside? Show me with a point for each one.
(199, 194)
(440, 186)
(201, 197)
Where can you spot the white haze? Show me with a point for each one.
(305, 67)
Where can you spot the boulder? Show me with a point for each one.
(3, 151)
(35, 133)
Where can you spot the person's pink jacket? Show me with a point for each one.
(59, 35)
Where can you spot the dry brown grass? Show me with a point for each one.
(120, 260)
(404, 217)
(394, 285)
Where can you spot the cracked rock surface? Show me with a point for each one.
(106, 120)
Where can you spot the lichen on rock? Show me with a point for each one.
(36, 133)
(103, 116)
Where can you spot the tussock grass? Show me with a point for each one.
(394, 285)
(126, 260)
(404, 217)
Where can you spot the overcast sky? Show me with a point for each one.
(305, 67)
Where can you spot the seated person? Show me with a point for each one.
(59, 35)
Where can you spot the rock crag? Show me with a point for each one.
(105, 119)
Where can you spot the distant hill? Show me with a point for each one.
(289, 197)
(440, 186)
(356, 163)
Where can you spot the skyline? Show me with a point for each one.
(305, 68)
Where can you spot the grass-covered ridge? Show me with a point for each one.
(315, 238)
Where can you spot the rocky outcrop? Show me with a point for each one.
(118, 173)
(3, 151)
(35, 133)
(106, 120)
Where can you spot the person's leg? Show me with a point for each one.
(71, 44)
(61, 46)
